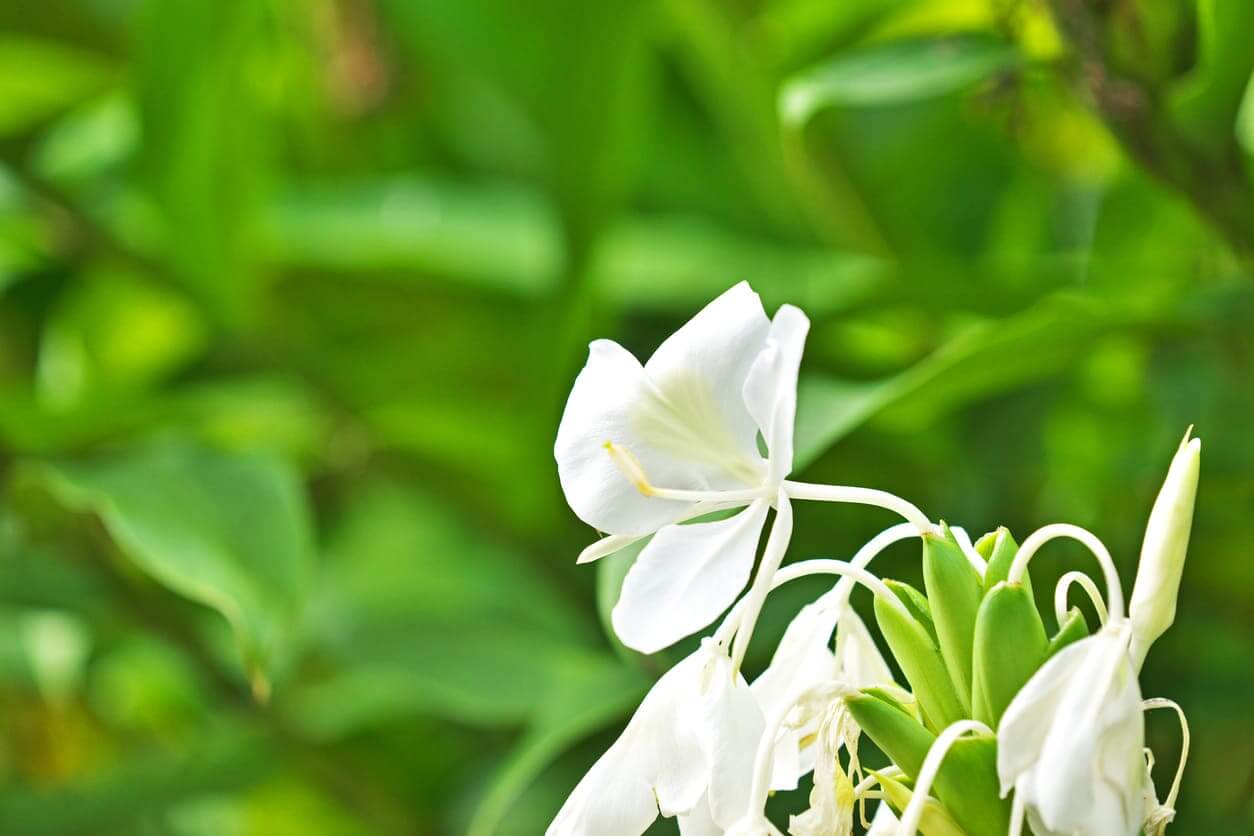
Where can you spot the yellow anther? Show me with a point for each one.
(630, 467)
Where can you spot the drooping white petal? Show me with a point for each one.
(701, 371)
(770, 392)
(1027, 720)
(883, 823)
(699, 821)
(658, 762)
(685, 578)
(859, 659)
(732, 727)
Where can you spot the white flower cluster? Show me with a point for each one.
(665, 450)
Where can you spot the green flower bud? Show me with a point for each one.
(1010, 644)
(953, 591)
(1074, 627)
(999, 549)
(1153, 606)
(920, 659)
(936, 820)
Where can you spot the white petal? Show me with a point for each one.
(609, 390)
(859, 659)
(701, 371)
(883, 823)
(770, 392)
(658, 761)
(699, 822)
(604, 547)
(685, 577)
(1028, 719)
(733, 726)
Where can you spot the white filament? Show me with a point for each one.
(860, 496)
(1038, 538)
(1086, 583)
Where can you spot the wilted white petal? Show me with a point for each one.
(732, 727)
(658, 761)
(685, 577)
(699, 822)
(859, 659)
(770, 392)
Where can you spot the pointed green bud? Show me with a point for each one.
(1074, 627)
(967, 781)
(1153, 606)
(936, 820)
(892, 729)
(915, 602)
(920, 659)
(1010, 644)
(999, 549)
(953, 592)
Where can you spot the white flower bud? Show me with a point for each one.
(1153, 607)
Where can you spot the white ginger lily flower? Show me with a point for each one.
(688, 751)
(1070, 743)
(832, 798)
(687, 420)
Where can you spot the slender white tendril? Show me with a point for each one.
(1086, 583)
(763, 759)
(931, 765)
(1160, 702)
(973, 556)
(869, 551)
(1018, 812)
(1038, 538)
(850, 572)
(860, 496)
(865, 789)
(772, 556)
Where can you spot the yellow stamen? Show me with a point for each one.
(630, 466)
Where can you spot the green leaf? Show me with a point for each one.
(895, 73)
(231, 531)
(1074, 627)
(39, 78)
(921, 662)
(1044, 340)
(953, 592)
(1010, 645)
(1206, 103)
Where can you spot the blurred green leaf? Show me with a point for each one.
(1206, 102)
(229, 530)
(894, 73)
(38, 78)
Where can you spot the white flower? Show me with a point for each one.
(1153, 606)
(1070, 743)
(832, 797)
(688, 751)
(642, 448)
(804, 659)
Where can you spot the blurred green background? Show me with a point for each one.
(292, 291)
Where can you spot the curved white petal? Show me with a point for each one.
(770, 392)
(701, 371)
(685, 577)
(699, 822)
(1031, 714)
(883, 823)
(859, 659)
(733, 725)
(659, 761)
(610, 390)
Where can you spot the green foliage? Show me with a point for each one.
(291, 295)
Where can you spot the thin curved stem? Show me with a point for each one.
(772, 556)
(860, 496)
(931, 765)
(805, 568)
(973, 556)
(1086, 583)
(1038, 538)
(1160, 702)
